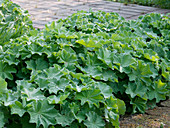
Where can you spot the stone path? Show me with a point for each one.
(43, 11)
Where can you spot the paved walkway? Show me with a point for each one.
(43, 11)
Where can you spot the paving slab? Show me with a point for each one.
(44, 11)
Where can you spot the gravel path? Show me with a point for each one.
(43, 11)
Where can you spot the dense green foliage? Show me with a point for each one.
(156, 3)
(84, 71)
(14, 21)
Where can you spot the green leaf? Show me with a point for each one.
(139, 104)
(38, 64)
(67, 57)
(94, 121)
(126, 60)
(9, 98)
(6, 71)
(158, 91)
(151, 55)
(137, 44)
(112, 117)
(92, 97)
(17, 108)
(105, 89)
(36, 48)
(151, 35)
(21, 84)
(4, 96)
(32, 94)
(57, 85)
(141, 72)
(89, 43)
(123, 60)
(2, 122)
(105, 55)
(11, 59)
(136, 89)
(54, 72)
(80, 88)
(42, 113)
(109, 75)
(25, 53)
(118, 87)
(75, 109)
(121, 107)
(57, 99)
(42, 83)
(153, 70)
(65, 119)
(165, 73)
(116, 37)
(111, 104)
(93, 71)
(3, 86)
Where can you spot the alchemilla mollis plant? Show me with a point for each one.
(83, 71)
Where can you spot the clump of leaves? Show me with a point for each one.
(14, 21)
(84, 71)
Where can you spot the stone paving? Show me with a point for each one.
(44, 11)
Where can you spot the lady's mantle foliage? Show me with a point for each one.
(81, 71)
(14, 21)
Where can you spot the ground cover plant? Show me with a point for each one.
(14, 21)
(84, 71)
(156, 3)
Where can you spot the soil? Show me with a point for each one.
(159, 117)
